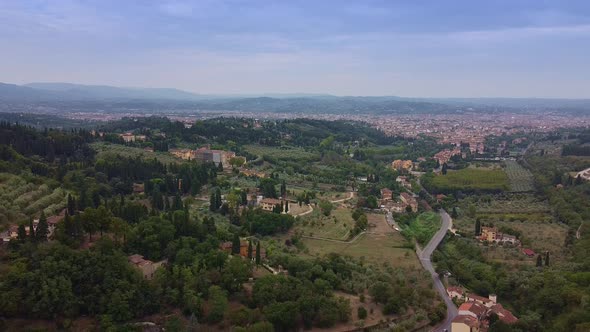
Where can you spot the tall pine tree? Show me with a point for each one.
(547, 258)
(235, 246)
(42, 228)
(258, 253)
(31, 230)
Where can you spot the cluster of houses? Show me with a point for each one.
(492, 235)
(205, 154)
(475, 311)
(12, 232)
(445, 155)
(405, 200)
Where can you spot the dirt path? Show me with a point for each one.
(351, 196)
(334, 240)
(305, 212)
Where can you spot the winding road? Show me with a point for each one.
(425, 255)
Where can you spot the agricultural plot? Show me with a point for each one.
(423, 228)
(283, 153)
(472, 179)
(381, 245)
(521, 180)
(21, 198)
(103, 148)
(337, 226)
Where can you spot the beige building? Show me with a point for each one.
(129, 137)
(402, 165)
(465, 324)
(409, 200)
(147, 267)
(268, 204)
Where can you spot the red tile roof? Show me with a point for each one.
(467, 320)
(505, 315)
(528, 252)
(473, 307)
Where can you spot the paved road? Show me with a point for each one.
(425, 255)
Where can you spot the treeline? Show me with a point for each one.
(575, 150)
(49, 144)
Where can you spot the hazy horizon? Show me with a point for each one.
(458, 49)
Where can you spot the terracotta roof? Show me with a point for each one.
(467, 320)
(473, 307)
(478, 298)
(528, 252)
(505, 315)
(455, 289)
(273, 201)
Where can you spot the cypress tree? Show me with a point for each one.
(212, 202)
(235, 246)
(31, 230)
(250, 249)
(177, 205)
(22, 233)
(539, 261)
(258, 253)
(547, 258)
(477, 227)
(71, 205)
(42, 228)
(286, 207)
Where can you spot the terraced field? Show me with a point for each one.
(521, 180)
(21, 198)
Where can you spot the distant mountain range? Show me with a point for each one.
(154, 98)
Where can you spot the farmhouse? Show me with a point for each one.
(491, 234)
(463, 323)
(129, 137)
(400, 165)
(403, 181)
(386, 194)
(409, 200)
(268, 204)
(456, 292)
(147, 267)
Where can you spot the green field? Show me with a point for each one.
(21, 197)
(337, 226)
(283, 153)
(521, 180)
(381, 249)
(103, 148)
(423, 228)
(472, 179)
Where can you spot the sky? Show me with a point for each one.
(525, 48)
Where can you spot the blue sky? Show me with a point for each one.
(407, 48)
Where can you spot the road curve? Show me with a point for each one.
(425, 255)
